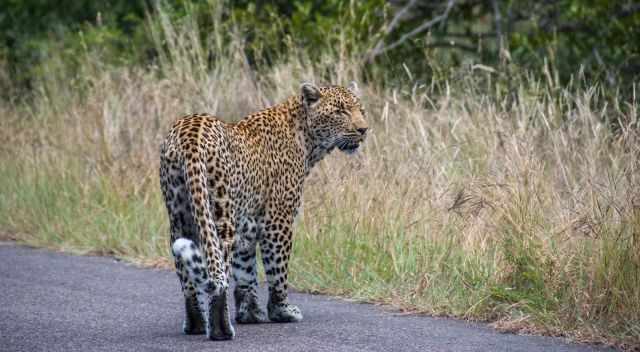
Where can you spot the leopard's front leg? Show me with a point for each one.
(275, 247)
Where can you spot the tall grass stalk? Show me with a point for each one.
(520, 208)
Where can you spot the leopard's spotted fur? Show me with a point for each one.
(228, 187)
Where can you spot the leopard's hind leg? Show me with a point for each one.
(181, 226)
(194, 321)
(244, 271)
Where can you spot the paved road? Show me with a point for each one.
(56, 302)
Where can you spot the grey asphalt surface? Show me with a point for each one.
(57, 302)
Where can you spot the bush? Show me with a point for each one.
(394, 36)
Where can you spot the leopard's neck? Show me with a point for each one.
(290, 113)
(312, 149)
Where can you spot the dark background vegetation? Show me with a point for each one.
(600, 38)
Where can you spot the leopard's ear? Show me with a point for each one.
(310, 93)
(353, 88)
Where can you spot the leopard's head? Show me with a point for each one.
(334, 116)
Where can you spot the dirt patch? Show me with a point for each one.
(8, 237)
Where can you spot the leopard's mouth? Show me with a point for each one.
(349, 142)
(349, 147)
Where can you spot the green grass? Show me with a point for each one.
(58, 208)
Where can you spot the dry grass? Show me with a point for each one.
(464, 202)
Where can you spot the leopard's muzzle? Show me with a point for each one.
(350, 142)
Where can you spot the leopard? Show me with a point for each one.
(233, 187)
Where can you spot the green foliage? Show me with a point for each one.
(570, 34)
(272, 27)
(37, 38)
(33, 31)
(592, 33)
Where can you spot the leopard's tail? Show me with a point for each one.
(192, 260)
(206, 273)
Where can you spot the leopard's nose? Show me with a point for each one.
(362, 130)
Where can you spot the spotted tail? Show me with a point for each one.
(192, 260)
(206, 273)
